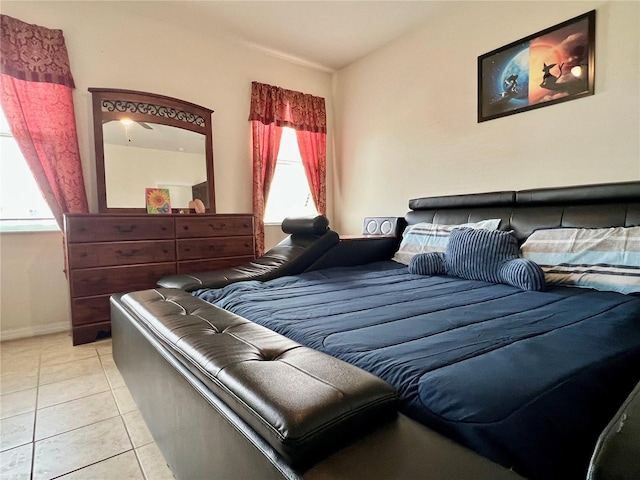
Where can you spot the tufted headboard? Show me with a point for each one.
(598, 205)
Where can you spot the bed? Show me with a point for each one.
(491, 380)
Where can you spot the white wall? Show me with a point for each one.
(129, 170)
(406, 115)
(34, 293)
(109, 48)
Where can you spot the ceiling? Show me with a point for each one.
(153, 135)
(326, 35)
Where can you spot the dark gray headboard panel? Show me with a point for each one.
(491, 199)
(581, 194)
(599, 205)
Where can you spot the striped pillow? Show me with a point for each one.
(491, 256)
(600, 258)
(432, 237)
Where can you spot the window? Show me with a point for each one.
(22, 207)
(289, 194)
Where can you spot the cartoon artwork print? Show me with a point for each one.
(506, 76)
(546, 68)
(558, 63)
(158, 200)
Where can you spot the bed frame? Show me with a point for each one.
(208, 426)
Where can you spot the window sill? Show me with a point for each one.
(28, 226)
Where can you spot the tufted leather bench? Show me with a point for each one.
(299, 400)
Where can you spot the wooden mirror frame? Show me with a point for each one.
(114, 104)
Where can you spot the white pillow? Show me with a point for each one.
(600, 258)
(432, 237)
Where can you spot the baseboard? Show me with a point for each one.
(36, 331)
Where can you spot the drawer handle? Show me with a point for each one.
(130, 253)
(125, 229)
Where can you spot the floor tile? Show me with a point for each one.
(78, 387)
(138, 431)
(20, 364)
(64, 371)
(15, 464)
(12, 404)
(112, 372)
(14, 382)
(153, 463)
(123, 467)
(79, 448)
(22, 344)
(124, 400)
(16, 430)
(74, 414)
(61, 354)
(104, 347)
(82, 406)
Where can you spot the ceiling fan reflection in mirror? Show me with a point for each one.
(128, 121)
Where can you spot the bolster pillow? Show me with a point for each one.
(317, 225)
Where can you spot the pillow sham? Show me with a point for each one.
(479, 254)
(600, 258)
(432, 237)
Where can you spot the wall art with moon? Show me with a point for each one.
(548, 67)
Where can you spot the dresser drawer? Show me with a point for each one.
(98, 228)
(90, 310)
(219, 225)
(210, 264)
(100, 281)
(214, 247)
(83, 255)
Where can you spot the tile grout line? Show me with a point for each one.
(76, 428)
(35, 417)
(77, 398)
(92, 464)
(135, 449)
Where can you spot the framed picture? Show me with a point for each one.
(157, 200)
(548, 67)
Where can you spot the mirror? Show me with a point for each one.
(146, 140)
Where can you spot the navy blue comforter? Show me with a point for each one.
(527, 379)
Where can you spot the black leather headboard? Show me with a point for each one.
(598, 205)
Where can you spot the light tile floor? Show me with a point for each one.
(66, 413)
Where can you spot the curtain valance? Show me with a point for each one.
(287, 108)
(33, 53)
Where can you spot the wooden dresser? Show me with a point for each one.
(113, 253)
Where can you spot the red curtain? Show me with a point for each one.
(313, 150)
(36, 95)
(266, 143)
(278, 107)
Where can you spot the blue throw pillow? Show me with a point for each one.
(491, 256)
(523, 273)
(428, 264)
